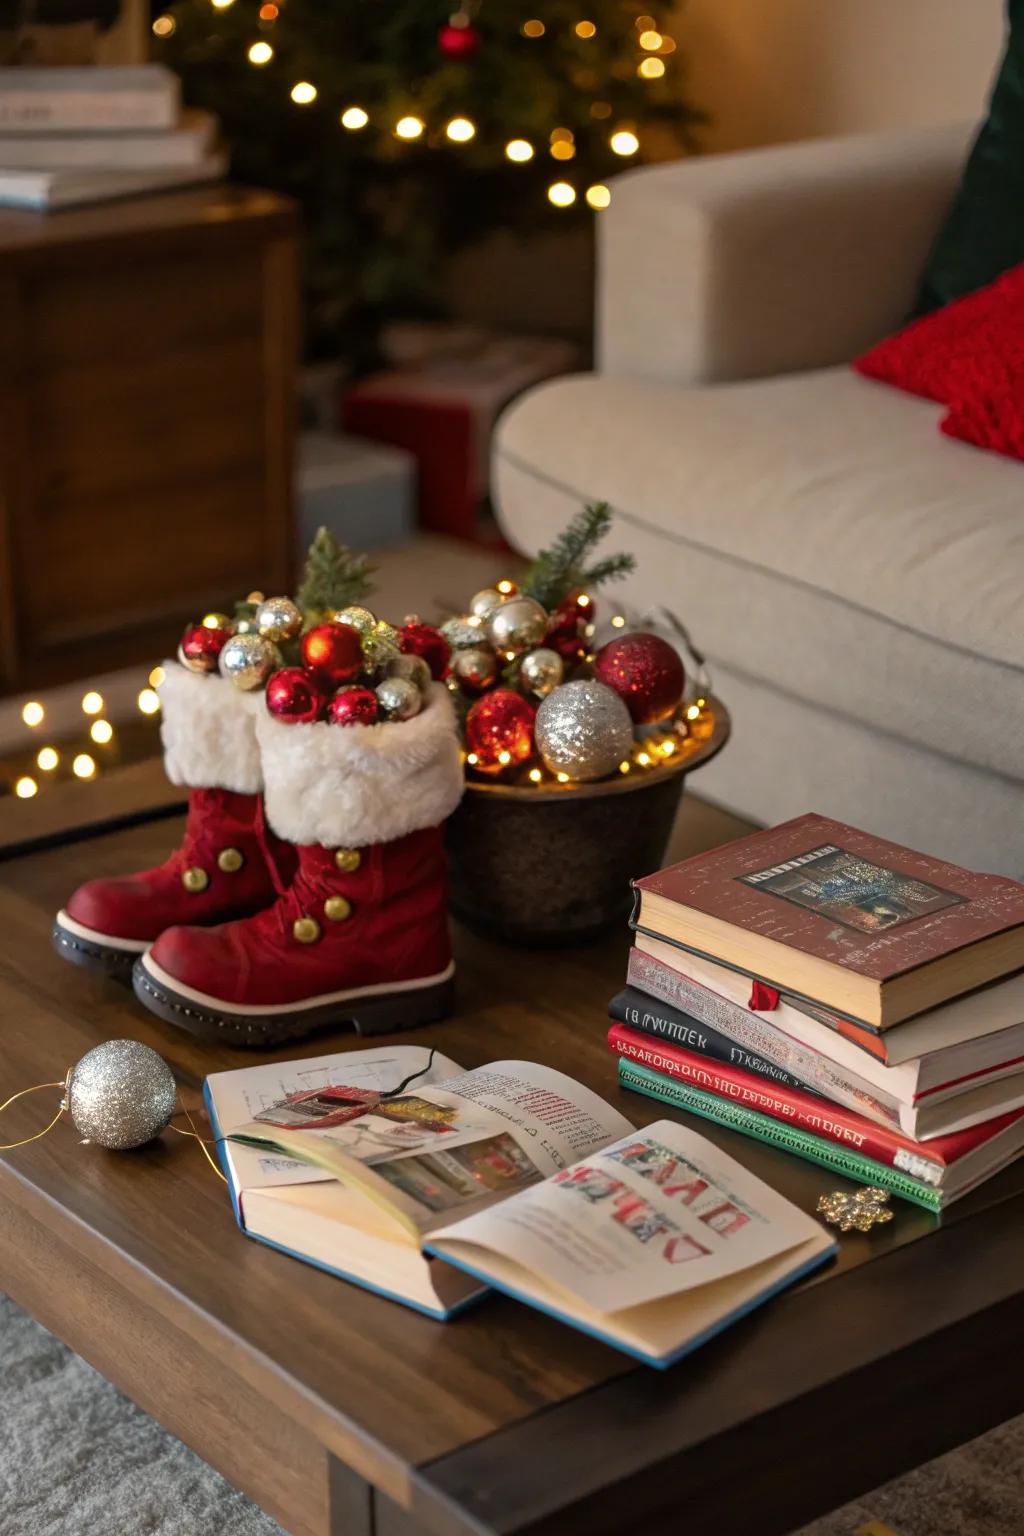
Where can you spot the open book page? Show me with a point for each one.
(459, 1145)
(238, 1097)
(660, 1212)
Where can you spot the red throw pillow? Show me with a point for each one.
(969, 356)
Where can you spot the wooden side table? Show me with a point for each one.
(148, 357)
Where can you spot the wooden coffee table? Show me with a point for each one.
(340, 1412)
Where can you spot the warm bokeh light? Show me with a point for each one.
(269, 11)
(624, 142)
(101, 732)
(563, 778)
(693, 712)
(644, 23)
(25, 788)
(164, 26)
(598, 196)
(561, 194)
(354, 118)
(303, 93)
(156, 677)
(33, 713)
(519, 150)
(651, 69)
(460, 130)
(47, 758)
(535, 775)
(92, 702)
(650, 40)
(562, 150)
(533, 29)
(600, 110)
(260, 53)
(221, 5)
(561, 136)
(148, 701)
(585, 29)
(83, 766)
(409, 127)
(618, 622)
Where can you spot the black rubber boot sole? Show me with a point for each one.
(368, 1015)
(103, 959)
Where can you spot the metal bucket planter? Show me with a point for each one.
(552, 865)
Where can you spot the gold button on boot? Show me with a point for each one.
(348, 860)
(230, 860)
(195, 880)
(337, 909)
(306, 930)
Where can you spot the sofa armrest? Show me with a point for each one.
(735, 266)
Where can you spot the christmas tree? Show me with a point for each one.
(406, 130)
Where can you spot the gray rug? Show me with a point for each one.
(77, 1459)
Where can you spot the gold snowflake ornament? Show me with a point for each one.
(862, 1210)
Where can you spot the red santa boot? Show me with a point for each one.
(361, 935)
(222, 868)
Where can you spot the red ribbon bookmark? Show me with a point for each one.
(762, 998)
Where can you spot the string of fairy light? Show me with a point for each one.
(52, 761)
(653, 48)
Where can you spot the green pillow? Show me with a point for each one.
(983, 235)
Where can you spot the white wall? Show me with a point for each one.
(771, 70)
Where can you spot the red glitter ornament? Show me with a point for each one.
(334, 652)
(295, 696)
(460, 43)
(566, 637)
(200, 647)
(416, 639)
(499, 730)
(353, 706)
(645, 671)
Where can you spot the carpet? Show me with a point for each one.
(78, 1459)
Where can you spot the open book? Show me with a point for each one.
(510, 1175)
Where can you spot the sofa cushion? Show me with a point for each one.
(815, 532)
(983, 234)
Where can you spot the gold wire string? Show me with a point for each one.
(10, 1145)
(203, 1142)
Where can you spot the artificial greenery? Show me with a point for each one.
(382, 215)
(333, 576)
(563, 567)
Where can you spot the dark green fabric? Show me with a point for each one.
(983, 235)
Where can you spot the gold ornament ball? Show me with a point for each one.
(380, 645)
(413, 668)
(483, 603)
(518, 625)
(277, 619)
(356, 617)
(248, 660)
(398, 699)
(120, 1095)
(476, 667)
(541, 670)
(459, 632)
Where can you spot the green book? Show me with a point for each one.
(817, 1149)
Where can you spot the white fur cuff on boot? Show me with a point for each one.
(348, 786)
(209, 731)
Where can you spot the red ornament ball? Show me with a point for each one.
(645, 671)
(200, 647)
(499, 730)
(353, 706)
(295, 696)
(416, 639)
(334, 652)
(459, 42)
(566, 636)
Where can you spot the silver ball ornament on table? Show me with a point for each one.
(518, 625)
(398, 698)
(356, 617)
(541, 670)
(413, 668)
(475, 668)
(248, 660)
(120, 1095)
(482, 604)
(463, 631)
(583, 729)
(277, 619)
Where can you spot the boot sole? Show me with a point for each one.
(99, 952)
(407, 1005)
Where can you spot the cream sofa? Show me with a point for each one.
(856, 579)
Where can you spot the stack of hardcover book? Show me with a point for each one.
(70, 135)
(837, 995)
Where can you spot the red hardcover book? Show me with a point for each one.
(925, 1160)
(868, 928)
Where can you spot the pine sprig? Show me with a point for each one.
(333, 576)
(560, 569)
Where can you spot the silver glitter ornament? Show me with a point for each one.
(541, 670)
(398, 698)
(248, 660)
(583, 729)
(482, 604)
(463, 631)
(413, 668)
(357, 617)
(277, 618)
(120, 1095)
(518, 625)
(475, 668)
